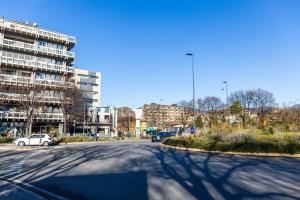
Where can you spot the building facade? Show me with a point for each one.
(35, 71)
(89, 82)
(158, 115)
(107, 120)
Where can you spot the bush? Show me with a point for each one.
(6, 140)
(244, 141)
(70, 139)
(238, 137)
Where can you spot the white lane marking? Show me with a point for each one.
(23, 189)
(17, 170)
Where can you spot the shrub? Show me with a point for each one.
(244, 136)
(244, 141)
(6, 140)
(70, 139)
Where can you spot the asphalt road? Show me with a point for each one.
(143, 170)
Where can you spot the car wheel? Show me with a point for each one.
(21, 143)
(45, 144)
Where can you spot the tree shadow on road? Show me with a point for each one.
(202, 175)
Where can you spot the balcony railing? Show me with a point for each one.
(37, 116)
(22, 97)
(10, 60)
(26, 80)
(36, 48)
(35, 31)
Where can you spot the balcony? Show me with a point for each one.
(8, 97)
(24, 63)
(12, 44)
(11, 115)
(13, 26)
(18, 80)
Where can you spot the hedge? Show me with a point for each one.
(6, 140)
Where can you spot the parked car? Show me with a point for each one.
(158, 137)
(35, 139)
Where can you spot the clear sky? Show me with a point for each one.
(139, 45)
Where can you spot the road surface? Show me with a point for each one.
(143, 170)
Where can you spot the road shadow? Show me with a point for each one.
(201, 175)
(115, 186)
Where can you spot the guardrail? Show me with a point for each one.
(35, 31)
(32, 48)
(27, 80)
(38, 116)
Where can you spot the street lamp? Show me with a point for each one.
(226, 86)
(161, 115)
(227, 103)
(193, 73)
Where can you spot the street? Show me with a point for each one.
(143, 170)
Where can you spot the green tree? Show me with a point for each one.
(238, 111)
(199, 122)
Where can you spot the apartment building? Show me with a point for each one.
(162, 115)
(107, 120)
(35, 71)
(90, 83)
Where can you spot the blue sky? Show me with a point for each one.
(139, 46)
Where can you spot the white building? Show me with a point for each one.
(107, 120)
(138, 117)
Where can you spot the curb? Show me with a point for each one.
(100, 142)
(284, 155)
(18, 148)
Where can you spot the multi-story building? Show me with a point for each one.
(162, 115)
(35, 71)
(90, 83)
(107, 120)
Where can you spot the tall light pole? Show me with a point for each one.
(193, 73)
(227, 103)
(226, 86)
(161, 118)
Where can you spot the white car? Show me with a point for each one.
(35, 139)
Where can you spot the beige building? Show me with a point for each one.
(162, 115)
(90, 83)
(35, 71)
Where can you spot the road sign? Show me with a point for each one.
(192, 130)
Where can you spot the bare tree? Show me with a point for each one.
(30, 99)
(126, 119)
(264, 103)
(212, 106)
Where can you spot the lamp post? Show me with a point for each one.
(193, 73)
(226, 86)
(161, 115)
(227, 103)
